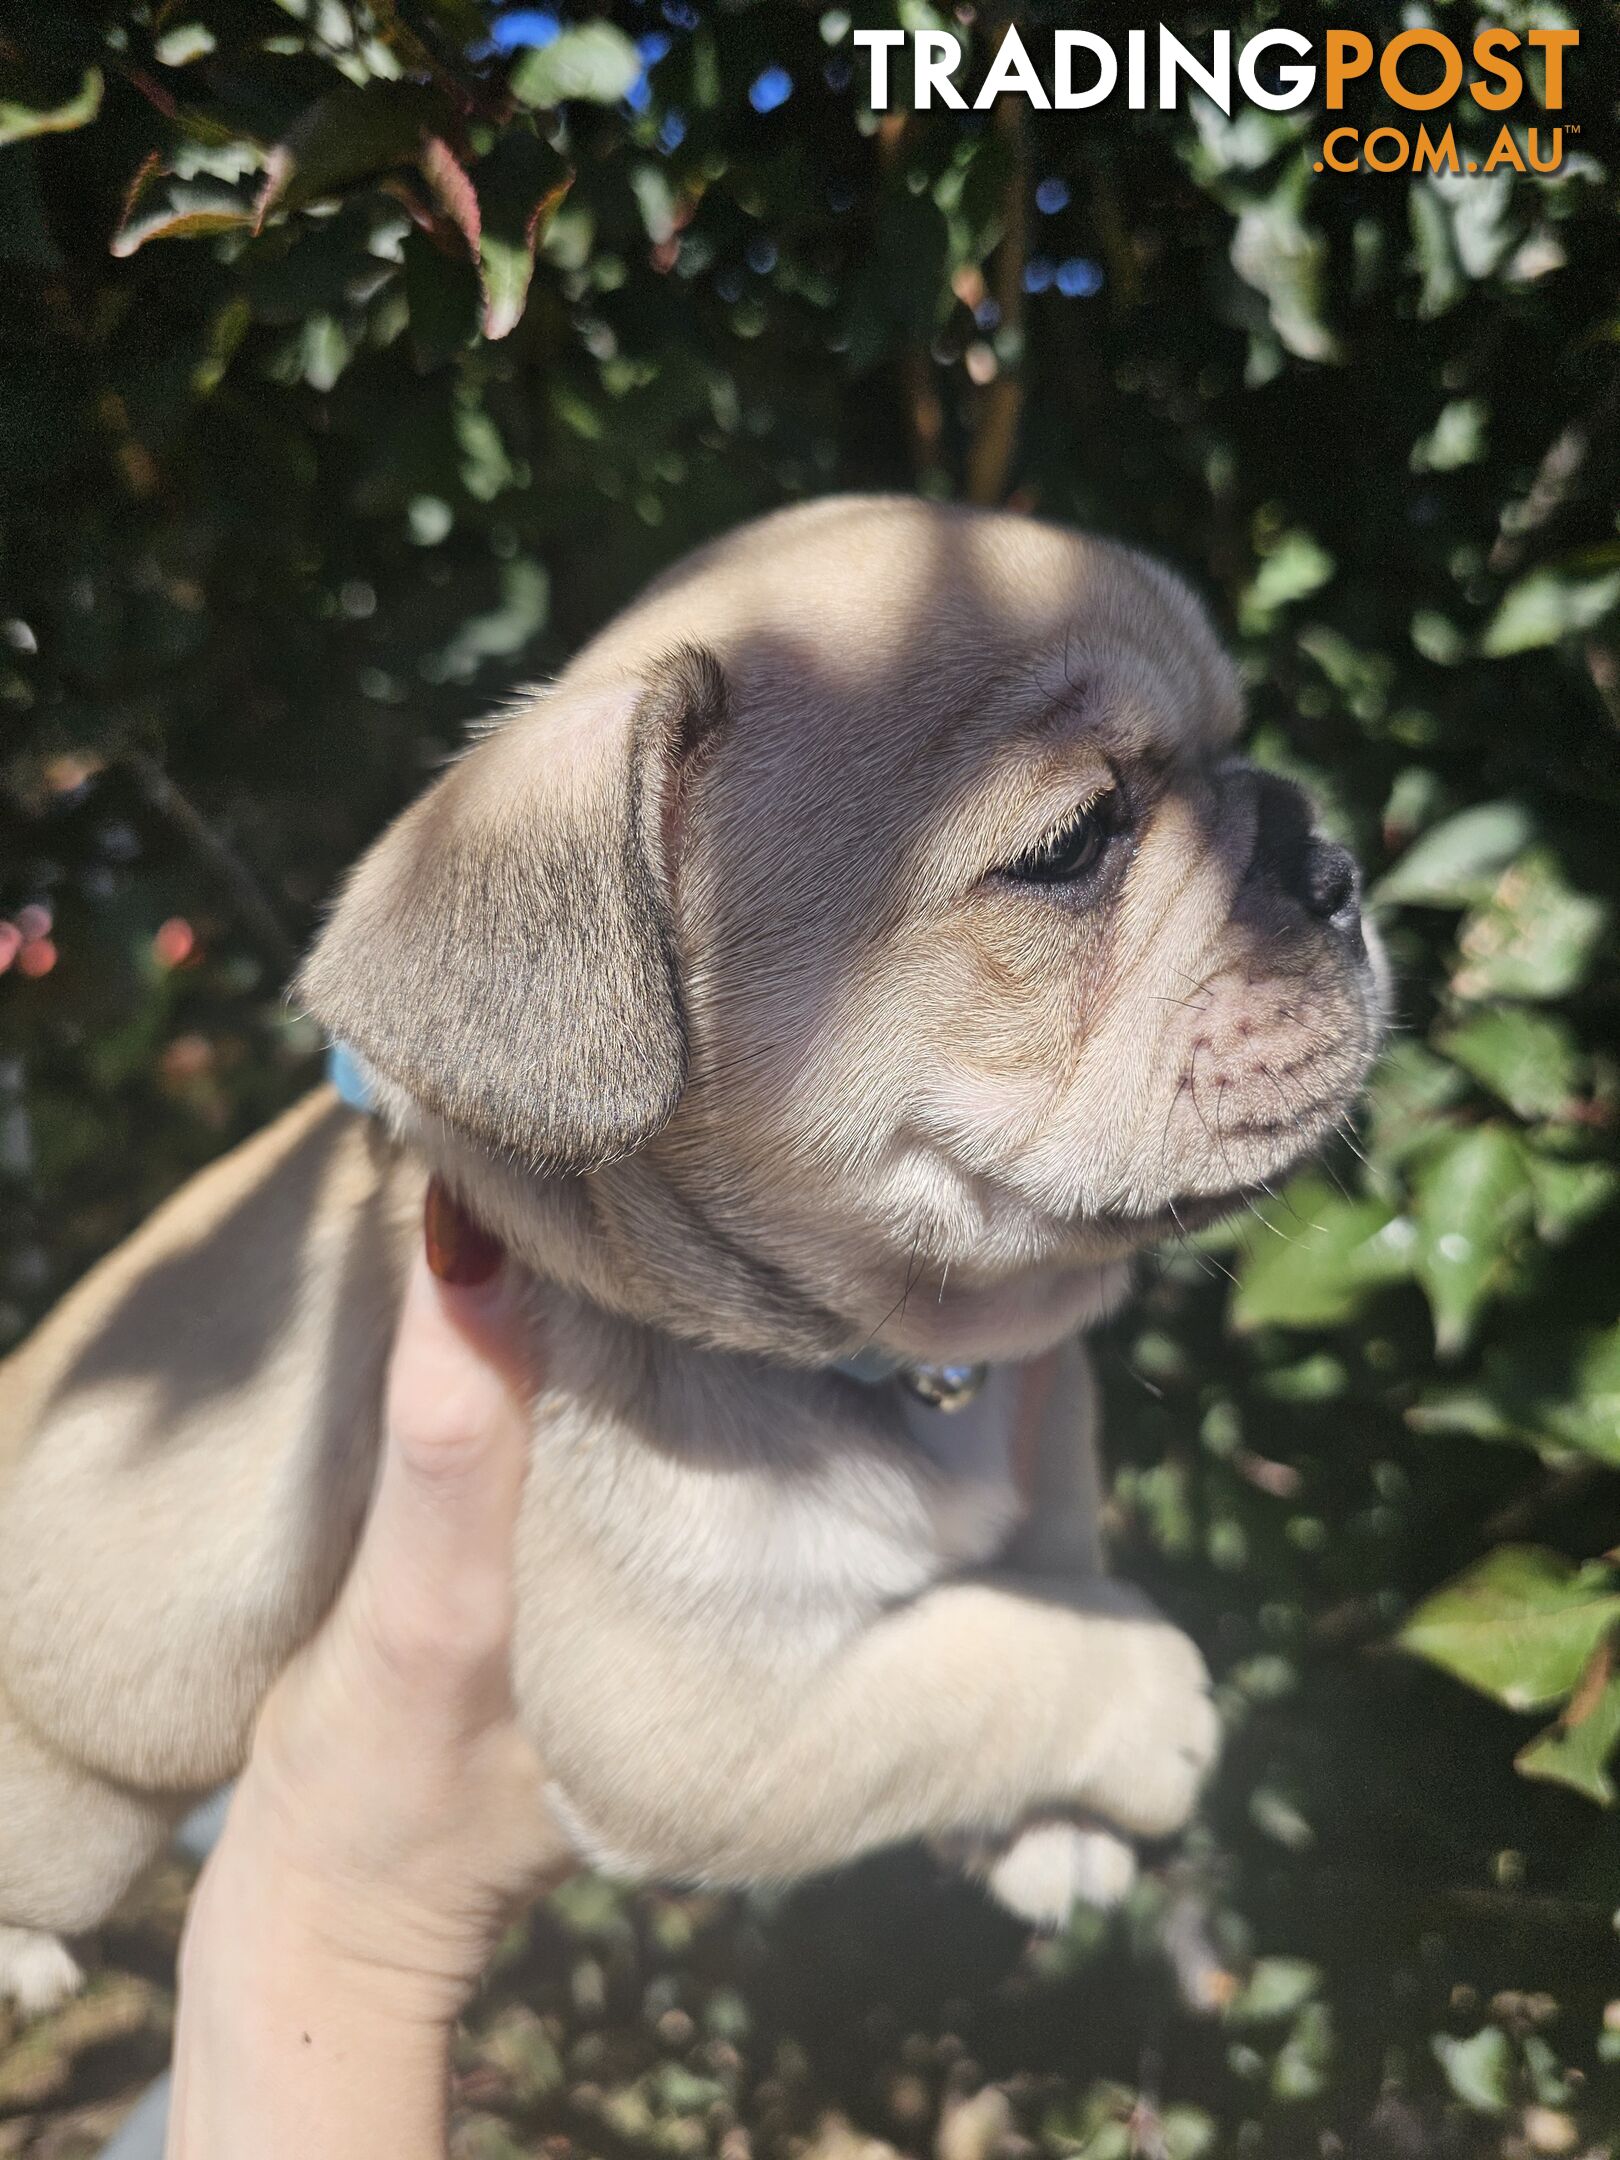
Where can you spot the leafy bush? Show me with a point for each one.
(361, 358)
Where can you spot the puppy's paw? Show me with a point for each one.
(1043, 1870)
(1157, 1746)
(37, 1972)
(1051, 1867)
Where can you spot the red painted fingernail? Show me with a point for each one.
(459, 1251)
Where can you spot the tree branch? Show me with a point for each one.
(257, 917)
(1001, 403)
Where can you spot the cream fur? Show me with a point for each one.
(768, 1619)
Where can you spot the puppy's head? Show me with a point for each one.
(884, 892)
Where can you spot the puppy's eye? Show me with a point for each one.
(1073, 850)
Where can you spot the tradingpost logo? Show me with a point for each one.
(1418, 71)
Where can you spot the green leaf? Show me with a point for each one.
(186, 42)
(1552, 1391)
(1576, 1751)
(1286, 260)
(1300, 2071)
(1520, 1626)
(1408, 1092)
(1188, 2133)
(1471, 1198)
(353, 133)
(507, 629)
(1532, 1062)
(161, 207)
(1297, 565)
(1568, 1194)
(521, 185)
(1477, 2070)
(1319, 1258)
(1546, 606)
(1275, 1989)
(18, 122)
(1591, 1420)
(1451, 863)
(1457, 437)
(1532, 938)
(594, 61)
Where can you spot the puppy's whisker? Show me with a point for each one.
(900, 1303)
(1347, 1133)
(1248, 1198)
(1291, 1116)
(911, 1272)
(1211, 1263)
(1293, 1111)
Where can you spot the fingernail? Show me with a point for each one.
(459, 1251)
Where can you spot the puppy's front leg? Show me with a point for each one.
(1058, 1469)
(1053, 1862)
(959, 1710)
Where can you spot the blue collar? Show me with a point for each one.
(941, 1387)
(351, 1076)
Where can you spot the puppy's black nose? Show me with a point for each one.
(1318, 873)
(1333, 888)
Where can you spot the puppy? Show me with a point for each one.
(868, 945)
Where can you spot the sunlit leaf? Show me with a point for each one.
(1559, 1390)
(1450, 864)
(1533, 938)
(1284, 258)
(451, 189)
(521, 185)
(1569, 1194)
(1472, 1196)
(1578, 1749)
(1300, 2070)
(1519, 1627)
(1318, 1257)
(1477, 2070)
(161, 207)
(593, 61)
(19, 121)
(1295, 566)
(1275, 1989)
(352, 134)
(1530, 1060)
(1547, 606)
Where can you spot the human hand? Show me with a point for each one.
(391, 1813)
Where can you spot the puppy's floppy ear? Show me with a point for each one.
(506, 951)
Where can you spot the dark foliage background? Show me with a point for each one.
(304, 468)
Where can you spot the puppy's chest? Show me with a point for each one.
(770, 1500)
(968, 1468)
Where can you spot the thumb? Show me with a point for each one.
(436, 1557)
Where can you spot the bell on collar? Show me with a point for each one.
(943, 1387)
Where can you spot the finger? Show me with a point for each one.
(436, 1560)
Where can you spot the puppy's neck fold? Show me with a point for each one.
(625, 1239)
(631, 1240)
